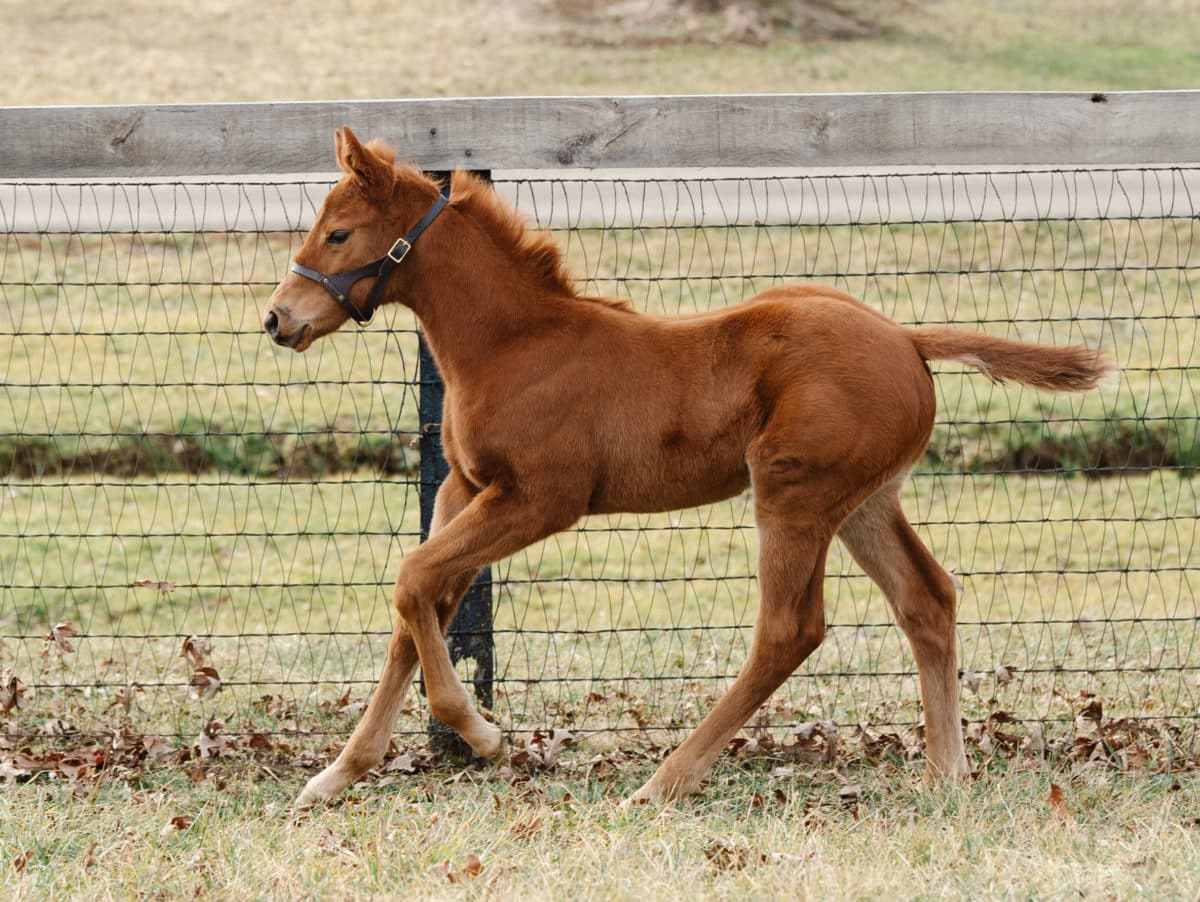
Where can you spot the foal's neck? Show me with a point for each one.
(474, 300)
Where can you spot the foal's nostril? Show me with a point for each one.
(271, 324)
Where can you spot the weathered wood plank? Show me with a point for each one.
(1149, 127)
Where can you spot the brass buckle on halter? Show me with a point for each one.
(404, 253)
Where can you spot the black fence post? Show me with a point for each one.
(470, 634)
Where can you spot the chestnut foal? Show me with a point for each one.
(559, 405)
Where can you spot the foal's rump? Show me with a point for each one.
(1056, 368)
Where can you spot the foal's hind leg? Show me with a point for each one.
(922, 594)
(369, 742)
(790, 625)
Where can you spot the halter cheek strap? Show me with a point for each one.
(338, 284)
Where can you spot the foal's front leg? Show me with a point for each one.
(497, 523)
(369, 742)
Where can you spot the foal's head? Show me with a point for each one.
(362, 216)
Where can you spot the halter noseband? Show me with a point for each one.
(338, 284)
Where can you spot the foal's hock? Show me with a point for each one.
(559, 405)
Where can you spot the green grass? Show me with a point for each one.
(1072, 584)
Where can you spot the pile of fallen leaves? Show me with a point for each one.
(1092, 741)
(49, 748)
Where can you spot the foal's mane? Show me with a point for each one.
(536, 251)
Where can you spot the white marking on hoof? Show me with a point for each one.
(321, 788)
(647, 795)
(491, 746)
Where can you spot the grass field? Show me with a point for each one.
(761, 830)
(219, 50)
(159, 458)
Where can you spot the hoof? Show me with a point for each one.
(492, 748)
(952, 777)
(321, 788)
(647, 795)
(308, 798)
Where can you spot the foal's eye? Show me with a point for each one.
(341, 236)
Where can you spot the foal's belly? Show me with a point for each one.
(669, 486)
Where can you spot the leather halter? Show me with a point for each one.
(338, 284)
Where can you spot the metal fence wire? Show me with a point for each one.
(197, 525)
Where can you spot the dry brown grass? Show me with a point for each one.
(763, 828)
(83, 52)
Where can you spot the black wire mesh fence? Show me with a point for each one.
(197, 525)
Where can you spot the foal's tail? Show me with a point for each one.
(1065, 368)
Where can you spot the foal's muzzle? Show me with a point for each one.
(271, 325)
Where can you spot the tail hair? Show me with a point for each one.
(1057, 368)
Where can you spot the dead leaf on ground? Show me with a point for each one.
(879, 748)
(125, 697)
(1057, 800)
(196, 649)
(334, 843)
(352, 708)
(12, 769)
(212, 741)
(542, 749)
(20, 862)
(724, 857)
(61, 634)
(12, 691)
(469, 871)
(409, 761)
(848, 795)
(525, 830)
(1093, 711)
(160, 585)
(177, 824)
(814, 742)
(970, 679)
(157, 748)
(206, 682)
(82, 765)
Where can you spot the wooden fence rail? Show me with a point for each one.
(800, 130)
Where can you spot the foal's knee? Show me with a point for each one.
(417, 590)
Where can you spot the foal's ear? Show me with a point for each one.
(367, 164)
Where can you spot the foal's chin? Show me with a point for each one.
(304, 336)
(299, 341)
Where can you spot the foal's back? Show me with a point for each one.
(680, 400)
